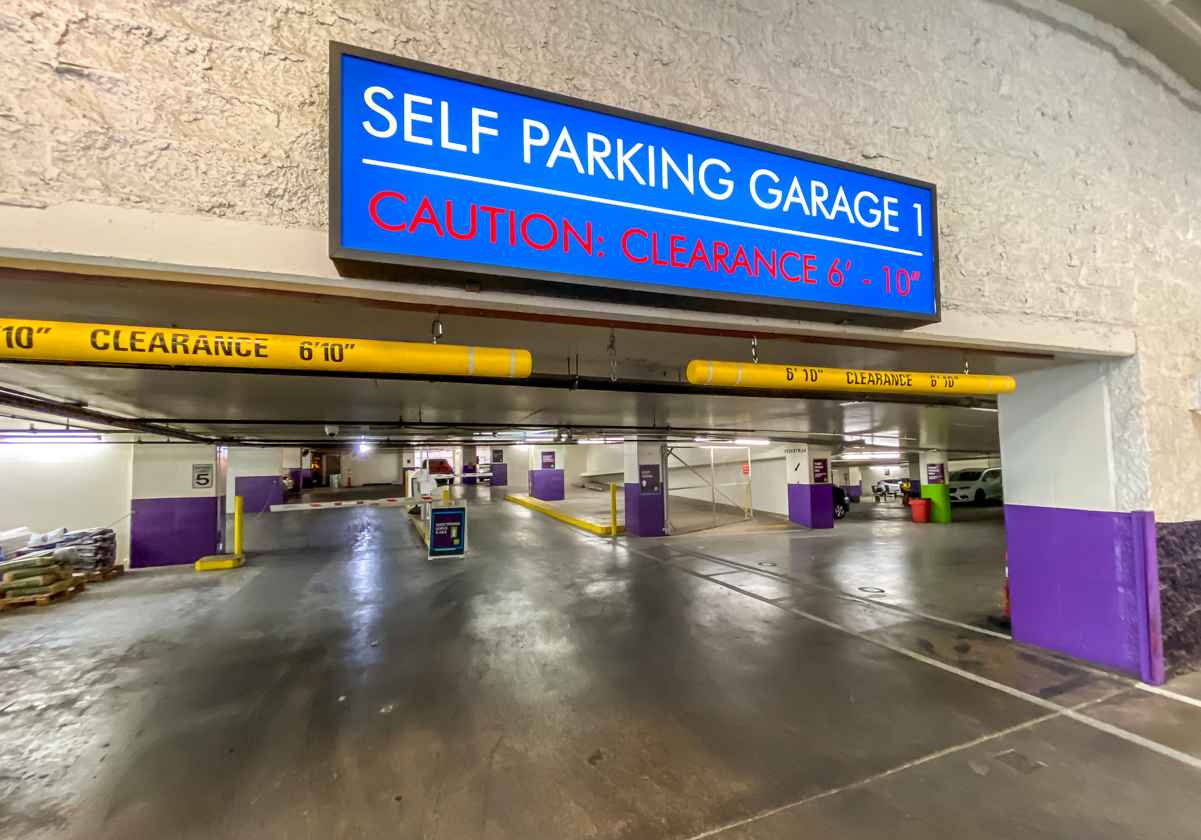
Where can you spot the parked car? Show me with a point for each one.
(975, 485)
(841, 502)
(886, 487)
(441, 469)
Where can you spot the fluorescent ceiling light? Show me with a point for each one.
(25, 437)
(982, 408)
(868, 456)
(600, 440)
(752, 442)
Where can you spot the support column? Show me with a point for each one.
(500, 470)
(810, 493)
(175, 505)
(1083, 570)
(470, 460)
(547, 478)
(643, 490)
(933, 472)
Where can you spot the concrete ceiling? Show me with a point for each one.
(278, 408)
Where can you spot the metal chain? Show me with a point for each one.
(612, 355)
(755, 349)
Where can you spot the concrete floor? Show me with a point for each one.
(555, 684)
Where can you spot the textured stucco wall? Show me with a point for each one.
(1068, 184)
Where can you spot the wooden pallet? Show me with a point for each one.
(62, 590)
(102, 575)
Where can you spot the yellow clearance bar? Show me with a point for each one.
(811, 378)
(114, 344)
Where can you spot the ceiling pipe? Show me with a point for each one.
(16, 399)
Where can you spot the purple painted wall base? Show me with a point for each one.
(168, 532)
(644, 512)
(1085, 583)
(547, 485)
(811, 505)
(259, 492)
(500, 475)
(854, 491)
(470, 468)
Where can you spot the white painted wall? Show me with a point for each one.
(250, 460)
(44, 486)
(574, 464)
(769, 492)
(604, 458)
(1056, 439)
(165, 471)
(374, 467)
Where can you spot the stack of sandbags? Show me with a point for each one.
(14, 540)
(89, 550)
(34, 573)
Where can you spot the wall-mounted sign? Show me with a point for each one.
(936, 473)
(202, 476)
(821, 470)
(448, 532)
(548, 460)
(649, 480)
(433, 168)
(498, 456)
(796, 464)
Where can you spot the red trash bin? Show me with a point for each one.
(920, 509)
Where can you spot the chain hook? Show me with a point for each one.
(966, 368)
(436, 329)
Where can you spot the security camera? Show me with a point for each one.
(331, 431)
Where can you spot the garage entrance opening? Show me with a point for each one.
(706, 487)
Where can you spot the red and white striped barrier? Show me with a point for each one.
(390, 501)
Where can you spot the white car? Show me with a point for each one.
(976, 485)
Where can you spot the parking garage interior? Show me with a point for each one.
(744, 670)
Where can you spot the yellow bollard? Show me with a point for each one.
(613, 509)
(238, 525)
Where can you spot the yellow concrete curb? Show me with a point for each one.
(216, 562)
(584, 524)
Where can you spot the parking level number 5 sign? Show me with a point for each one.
(202, 476)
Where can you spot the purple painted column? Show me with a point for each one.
(548, 485)
(643, 512)
(500, 474)
(811, 505)
(1086, 583)
(166, 532)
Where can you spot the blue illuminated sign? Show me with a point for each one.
(436, 169)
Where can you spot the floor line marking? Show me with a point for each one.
(1182, 757)
(1168, 693)
(892, 771)
(630, 205)
(1100, 672)
(849, 596)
